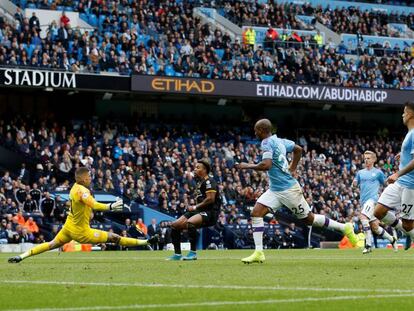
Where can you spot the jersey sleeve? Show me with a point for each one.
(267, 151)
(289, 145)
(381, 177)
(86, 198)
(357, 178)
(412, 143)
(211, 185)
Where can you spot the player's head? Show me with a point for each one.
(408, 112)
(370, 158)
(263, 128)
(83, 177)
(202, 168)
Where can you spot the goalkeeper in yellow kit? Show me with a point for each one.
(77, 226)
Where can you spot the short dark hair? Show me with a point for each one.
(80, 172)
(409, 105)
(206, 163)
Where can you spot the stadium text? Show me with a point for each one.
(177, 85)
(39, 78)
(321, 93)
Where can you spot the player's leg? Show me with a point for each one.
(193, 223)
(261, 208)
(293, 198)
(366, 216)
(382, 233)
(389, 200)
(176, 227)
(367, 232)
(62, 238)
(407, 211)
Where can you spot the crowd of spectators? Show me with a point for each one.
(151, 165)
(142, 38)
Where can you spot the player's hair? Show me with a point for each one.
(409, 105)
(371, 153)
(206, 164)
(264, 125)
(80, 172)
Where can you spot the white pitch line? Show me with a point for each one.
(218, 303)
(197, 286)
(269, 256)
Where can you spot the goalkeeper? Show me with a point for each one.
(77, 226)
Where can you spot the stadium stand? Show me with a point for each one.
(151, 167)
(140, 38)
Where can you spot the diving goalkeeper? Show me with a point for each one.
(77, 226)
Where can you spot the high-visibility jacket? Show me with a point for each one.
(251, 36)
(319, 39)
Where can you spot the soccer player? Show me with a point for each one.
(77, 226)
(399, 194)
(284, 189)
(204, 214)
(369, 181)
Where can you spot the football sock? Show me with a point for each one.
(176, 240)
(192, 236)
(367, 232)
(384, 234)
(323, 221)
(393, 221)
(132, 242)
(258, 228)
(41, 248)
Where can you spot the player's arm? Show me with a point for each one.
(297, 154)
(405, 170)
(265, 165)
(355, 182)
(210, 198)
(97, 206)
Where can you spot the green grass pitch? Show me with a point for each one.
(142, 280)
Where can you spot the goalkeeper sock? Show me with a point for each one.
(258, 228)
(176, 240)
(132, 242)
(41, 248)
(192, 236)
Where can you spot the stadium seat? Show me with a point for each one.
(93, 20)
(84, 16)
(220, 53)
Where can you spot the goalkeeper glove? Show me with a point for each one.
(117, 206)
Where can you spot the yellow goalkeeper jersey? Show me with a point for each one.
(81, 205)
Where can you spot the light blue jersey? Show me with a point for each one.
(407, 152)
(275, 148)
(369, 182)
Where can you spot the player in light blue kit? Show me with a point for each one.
(284, 189)
(369, 181)
(399, 194)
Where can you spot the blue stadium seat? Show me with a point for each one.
(101, 19)
(93, 20)
(83, 16)
(266, 78)
(31, 6)
(220, 53)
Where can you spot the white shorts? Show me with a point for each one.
(292, 198)
(368, 210)
(400, 199)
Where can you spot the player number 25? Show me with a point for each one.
(298, 210)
